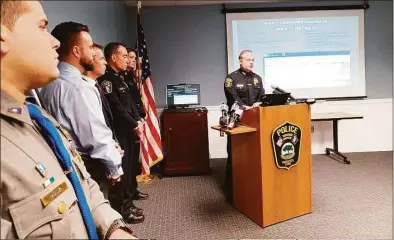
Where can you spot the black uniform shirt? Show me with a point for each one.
(244, 87)
(123, 108)
(135, 94)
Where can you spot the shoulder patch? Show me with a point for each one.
(107, 86)
(228, 82)
(255, 82)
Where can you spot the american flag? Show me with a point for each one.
(151, 147)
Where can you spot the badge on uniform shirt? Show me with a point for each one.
(41, 169)
(14, 110)
(107, 86)
(255, 82)
(55, 193)
(49, 181)
(229, 82)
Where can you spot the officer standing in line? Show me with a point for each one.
(136, 96)
(96, 168)
(46, 191)
(74, 102)
(127, 125)
(130, 80)
(244, 87)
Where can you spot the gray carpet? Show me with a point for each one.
(349, 201)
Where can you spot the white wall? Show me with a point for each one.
(372, 133)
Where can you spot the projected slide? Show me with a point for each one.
(307, 69)
(321, 55)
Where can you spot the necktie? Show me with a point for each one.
(52, 136)
(99, 88)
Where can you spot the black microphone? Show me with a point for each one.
(235, 115)
(224, 119)
(280, 90)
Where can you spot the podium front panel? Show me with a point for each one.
(271, 183)
(287, 190)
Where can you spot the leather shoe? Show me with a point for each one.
(128, 205)
(140, 196)
(132, 218)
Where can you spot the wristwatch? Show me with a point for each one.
(118, 224)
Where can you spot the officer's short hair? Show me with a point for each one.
(129, 50)
(11, 11)
(243, 53)
(67, 33)
(95, 45)
(111, 48)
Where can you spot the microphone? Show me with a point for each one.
(235, 115)
(280, 90)
(224, 119)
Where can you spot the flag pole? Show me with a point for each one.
(146, 177)
(138, 70)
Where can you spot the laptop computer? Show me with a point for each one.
(274, 99)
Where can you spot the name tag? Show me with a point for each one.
(240, 85)
(52, 195)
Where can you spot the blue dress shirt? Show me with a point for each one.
(75, 103)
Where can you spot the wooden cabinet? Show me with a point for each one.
(185, 141)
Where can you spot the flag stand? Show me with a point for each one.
(151, 151)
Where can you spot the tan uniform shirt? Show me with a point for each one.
(29, 209)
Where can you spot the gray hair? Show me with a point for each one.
(243, 53)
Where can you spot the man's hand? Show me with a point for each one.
(140, 126)
(112, 180)
(139, 130)
(120, 234)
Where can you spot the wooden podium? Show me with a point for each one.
(262, 191)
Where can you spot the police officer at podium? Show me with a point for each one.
(244, 87)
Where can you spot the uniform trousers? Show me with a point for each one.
(128, 184)
(229, 173)
(97, 171)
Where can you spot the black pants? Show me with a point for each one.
(128, 183)
(229, 173)
(96, 170)
(136, 158)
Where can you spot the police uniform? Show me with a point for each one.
(246, 88)
(37, 199)
(136, 96)
(125, 116)
(135, 93)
